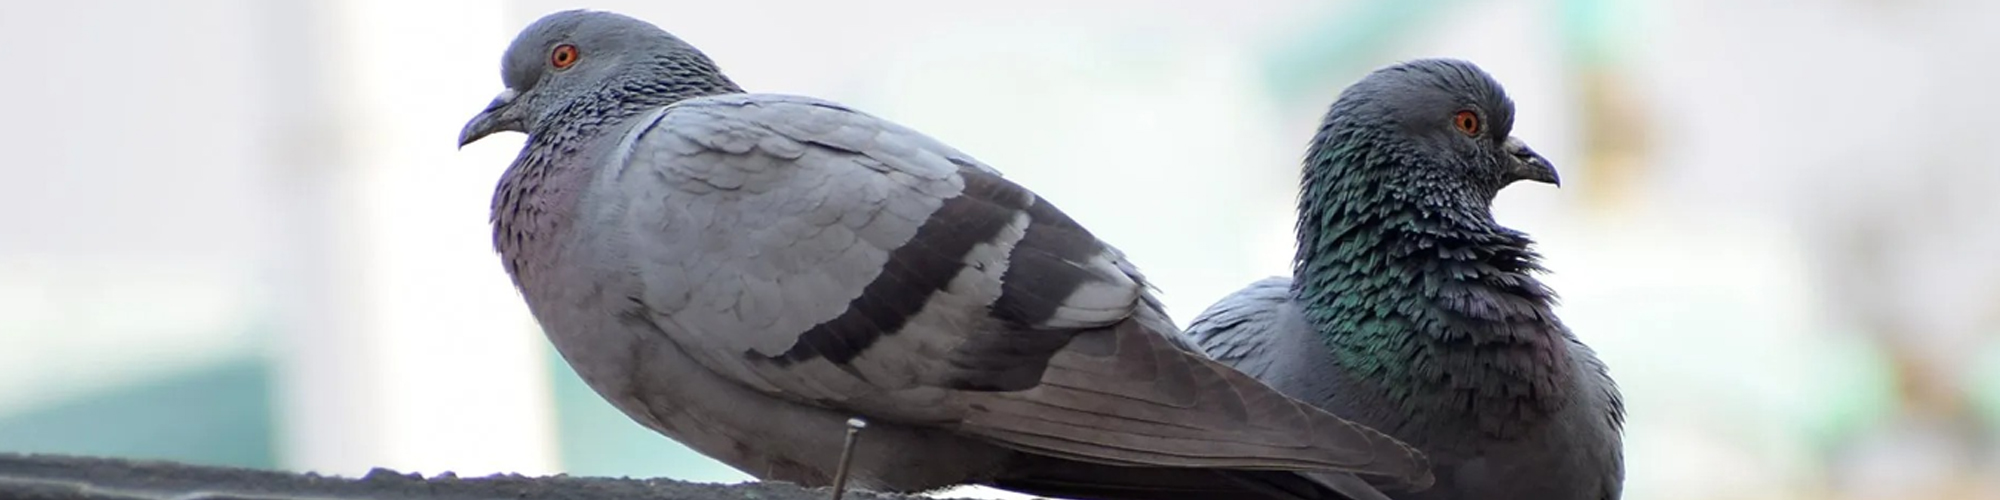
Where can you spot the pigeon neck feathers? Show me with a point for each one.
(656, 81)
(1413, 286)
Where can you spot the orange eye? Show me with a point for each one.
(1466, 121)
(563, 57)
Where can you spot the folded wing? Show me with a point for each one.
(828, 257)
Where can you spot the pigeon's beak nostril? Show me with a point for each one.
(1533, 160)
(1529, 165)
(496, 117)
(505, 98)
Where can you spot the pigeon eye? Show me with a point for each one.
(563, 56)
(1466, 121)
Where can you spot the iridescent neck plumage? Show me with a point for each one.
(643, 85)
(1408, 279)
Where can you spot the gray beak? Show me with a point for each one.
(499, 116)
(1528, 165)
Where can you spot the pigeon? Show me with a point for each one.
(1410, 310)
(747, 273)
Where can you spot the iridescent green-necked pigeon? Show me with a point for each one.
(1411, 311)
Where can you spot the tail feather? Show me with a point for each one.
(1129, 396)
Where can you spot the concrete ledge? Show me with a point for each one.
(58, 477)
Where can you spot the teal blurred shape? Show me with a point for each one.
(1343, 44)
(596, 439)
(1855, 390)
(214, 415)
(1308, 62)
(1985, 385)
(1598, 32)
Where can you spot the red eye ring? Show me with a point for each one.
(1466, 121)
(563, 56)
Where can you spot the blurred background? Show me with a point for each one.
(237, 232)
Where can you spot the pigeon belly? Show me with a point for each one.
(652, 380)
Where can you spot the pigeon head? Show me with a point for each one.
(591, 64)
(1408, 159)
(1443, 123)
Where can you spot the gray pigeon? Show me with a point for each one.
(1413, 312)
(746, 272)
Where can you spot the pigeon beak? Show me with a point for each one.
(499, 116)
(1528, 165)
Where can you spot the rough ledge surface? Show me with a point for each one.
(60, 477)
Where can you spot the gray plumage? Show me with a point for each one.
(1411, 311)
(743, 272)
